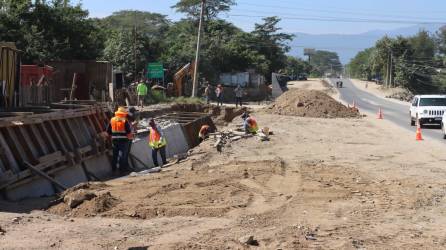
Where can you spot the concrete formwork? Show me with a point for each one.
(56, 143)
(176, 144)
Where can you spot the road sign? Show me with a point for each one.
(155, 71)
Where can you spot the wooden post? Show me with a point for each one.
(73, 86)
(44, 175)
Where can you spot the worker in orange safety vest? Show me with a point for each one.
(249, 124)
(157, 142)
(121, 133)
(204, 132)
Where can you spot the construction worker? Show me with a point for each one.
(238, 95)
(133, 117)
(219, 94)
(121, 133)
(141, 90)
(204, 132)
(157, 142)
(249, 124)
(207, 93)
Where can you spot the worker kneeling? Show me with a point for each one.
(121, 133)
(249, 124)
(157, 142)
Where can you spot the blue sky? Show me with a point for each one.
(294, 11)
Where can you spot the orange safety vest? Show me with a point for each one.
(155, 140)
(118, 128)
(203, 131)
(252, 125)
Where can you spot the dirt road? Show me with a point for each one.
(317, 184)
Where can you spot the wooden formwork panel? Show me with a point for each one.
(49, 141)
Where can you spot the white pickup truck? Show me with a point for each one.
(443, 124)
(427, 109)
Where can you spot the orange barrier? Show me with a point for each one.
(380, 114)
(418, 135)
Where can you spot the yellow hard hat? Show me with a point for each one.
(121, 112)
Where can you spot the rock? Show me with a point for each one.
(16, 220)
(249, 240)
(77, 197)
(246, 174)
(2, 231)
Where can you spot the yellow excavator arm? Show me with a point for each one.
(178, 78)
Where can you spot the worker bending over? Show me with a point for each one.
(121, 133)
(157, 142)
(204, 132)
(249, 124)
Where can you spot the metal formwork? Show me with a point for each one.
(49, 142)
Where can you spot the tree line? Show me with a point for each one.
(59, 30)
(416, 63)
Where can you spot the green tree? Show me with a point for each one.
(325, 62)
(295, 66)
(361, 65)
(271, 43)
(50, 30)
(120, 48)
(423, 45)
(192, 8)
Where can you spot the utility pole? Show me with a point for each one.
(388, 70)
(197, 54)
(391, 68)
(134, 50)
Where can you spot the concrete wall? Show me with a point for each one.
(176, 144)
(69, 177)
(35, 188)
(99, 166)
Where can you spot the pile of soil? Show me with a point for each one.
(97, 201)
(310, 103)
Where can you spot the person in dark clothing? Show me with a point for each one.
(157, 142)
(133, 117)
(238, 96)
(219, 94)
(120, 131)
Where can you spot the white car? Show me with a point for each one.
(427, 109)
(443, 124)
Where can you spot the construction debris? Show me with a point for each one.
(77, 197)
(226, 137)
(249, 240)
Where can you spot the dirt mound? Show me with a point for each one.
(310, 103)
(95, 204)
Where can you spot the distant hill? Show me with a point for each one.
(347, 46)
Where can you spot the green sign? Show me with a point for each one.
(155, 71)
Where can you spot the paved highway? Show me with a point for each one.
(393, 111)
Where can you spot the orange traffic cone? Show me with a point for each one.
(418, 136)
(380, 114)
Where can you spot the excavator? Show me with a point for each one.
(179, 78)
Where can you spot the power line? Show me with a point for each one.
(344, 20)
(330, 11)
(365, 11)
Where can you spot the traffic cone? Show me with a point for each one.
(354, 104)
(380, 114)
(418, 136)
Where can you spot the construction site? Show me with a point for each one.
(324, 176)
(255, 152)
